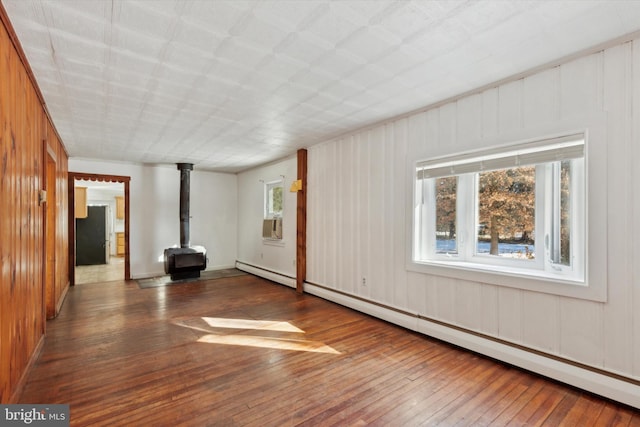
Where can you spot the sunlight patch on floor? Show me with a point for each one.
(268, 325)
(268, 342)
(218, 330)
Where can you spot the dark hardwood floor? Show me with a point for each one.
(243, 351)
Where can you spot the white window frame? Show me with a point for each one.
(268, 214)
(592, 284)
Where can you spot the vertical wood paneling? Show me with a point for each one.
(510, 102)
(419, 138)
(446, 299)
(541, 322)
(581, 86)
(467, 303)
(330, 215)
(541, 98)
(418, 291)
(431, 296)
(489, 114)
(341, 202)
(22, 247)
(374, 190)
(377, 245)
(635, 213)
(399, 200)
(617, 101)
(316, 245)
(510, 314)
(469, 121)
(433, 143)
(349, 217)
(447, 128)
(581, 329)
(315, 166)
(393, 178)
(363, 217)
(489, 323)
(323, 219)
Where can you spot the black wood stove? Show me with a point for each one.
(187, 261)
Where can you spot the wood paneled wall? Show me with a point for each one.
(58, 288)
(26, 139)
(360, 201)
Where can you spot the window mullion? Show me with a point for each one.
(544, 239)
(467, 202)
(578, 218)
(429, 218)
(555, 213)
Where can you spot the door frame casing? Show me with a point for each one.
(49, 296)
(71, 178)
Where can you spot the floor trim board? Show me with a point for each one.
(274, 276)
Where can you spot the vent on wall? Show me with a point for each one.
(272, 228)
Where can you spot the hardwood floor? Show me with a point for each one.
(243, 351)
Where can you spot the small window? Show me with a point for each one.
(517, 210)
(273, 199)
(273, 207)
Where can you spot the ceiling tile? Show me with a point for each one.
(234, 83)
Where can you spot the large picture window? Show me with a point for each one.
(516, 210)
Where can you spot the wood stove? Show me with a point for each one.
(187, 261)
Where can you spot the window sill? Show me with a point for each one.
(531, 280)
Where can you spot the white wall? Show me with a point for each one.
(154, 194)
(277, 257)
(360, 194)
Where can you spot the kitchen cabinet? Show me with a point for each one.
(120, 243)
(80, 197)
(119, 207)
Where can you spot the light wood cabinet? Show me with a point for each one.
(80, 197)
(119, 207)
(120, 243)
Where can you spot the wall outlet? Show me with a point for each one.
(364, 281)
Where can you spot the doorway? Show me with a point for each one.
(99, 238)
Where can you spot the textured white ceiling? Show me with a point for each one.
(231, 84)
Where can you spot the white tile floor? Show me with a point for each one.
(114, 270)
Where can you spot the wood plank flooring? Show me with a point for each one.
(243, 351)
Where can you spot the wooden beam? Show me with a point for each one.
(301, 223)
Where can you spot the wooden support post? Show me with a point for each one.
(301, 223)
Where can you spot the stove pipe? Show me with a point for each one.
(185, 182)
